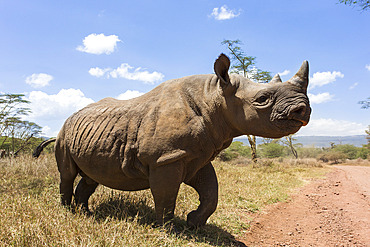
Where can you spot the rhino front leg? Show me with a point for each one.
(164, 184)
(84, 190)
(205, 183)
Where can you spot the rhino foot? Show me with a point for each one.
(205, 183)
(84, 190)
(194, 220)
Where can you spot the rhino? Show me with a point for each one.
(170, 135)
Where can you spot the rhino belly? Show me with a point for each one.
(110, 174)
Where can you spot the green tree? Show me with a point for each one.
(20, 133)
(11, 106)
(245, 65)
(15, 133)
(363, 4)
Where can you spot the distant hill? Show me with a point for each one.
(320, 141)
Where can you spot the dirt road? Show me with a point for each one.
(331, 212)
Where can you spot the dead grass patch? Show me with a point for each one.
(30, 214)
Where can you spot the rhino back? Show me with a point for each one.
(168, 123)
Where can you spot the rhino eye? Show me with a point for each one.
(262, 99)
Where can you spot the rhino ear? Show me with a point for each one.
(221, 67)
(276, 79)
(300, 79)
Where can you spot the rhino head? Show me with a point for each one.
(271, 110)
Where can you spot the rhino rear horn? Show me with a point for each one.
(300, 79)
(275, 79)
(221, 67)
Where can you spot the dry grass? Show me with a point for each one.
(30, 214)
(357, 162)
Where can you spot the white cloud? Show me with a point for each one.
(367, 66)
(353, 85)
(51, 110)
(56, 106)
(320, 79)
(129, 94)
(128, 72)
(224, 13)
(47, 131)
(99, 44)
(98, 72)
(332, 127)
(39, 80)
(320, 98)
(285, 72)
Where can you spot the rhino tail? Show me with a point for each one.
(40, 147)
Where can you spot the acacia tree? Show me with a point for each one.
(15, 133)
(363, 4)
(289, 142)
(245, 65)
(11, 106)
(20, 132)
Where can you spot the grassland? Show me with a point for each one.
(30, 214)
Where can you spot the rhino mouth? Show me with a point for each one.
(290, 122)
(304, 123)
(289, 125)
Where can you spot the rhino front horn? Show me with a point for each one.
(300, 79)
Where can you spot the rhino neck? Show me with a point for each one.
(219, 129)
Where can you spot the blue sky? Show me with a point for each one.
(64, 55)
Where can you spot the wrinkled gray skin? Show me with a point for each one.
(171, 134)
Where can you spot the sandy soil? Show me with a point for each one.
(331, 212)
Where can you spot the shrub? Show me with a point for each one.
(271, 150)
(363, 153)
(349, 150)
(334, 157)
(309, 152)
(235, 150)
(227, 155)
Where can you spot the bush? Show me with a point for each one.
(349, 150)
(363, 153)
(271, 150)
(227, 155)
(309, 152)
(235, 150)
(334, 157)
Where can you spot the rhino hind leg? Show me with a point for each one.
(66, 191)
(68, 173)
(205, 183)
(84, 190)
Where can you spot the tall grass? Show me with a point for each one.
(30, 214)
